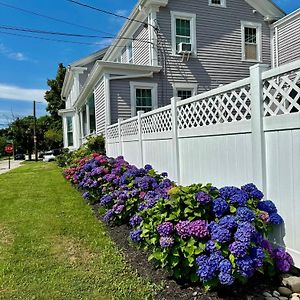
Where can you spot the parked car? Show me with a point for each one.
(49, 156)
(20, 156)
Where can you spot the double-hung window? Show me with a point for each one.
(251, 41)
(69, 122)
(184, 90)
(183, 27)
(143, 97)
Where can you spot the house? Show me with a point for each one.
(286, 39)
(167, 48)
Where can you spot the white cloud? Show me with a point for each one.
(11, 54)
(18, 93)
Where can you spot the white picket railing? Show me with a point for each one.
(247, 131)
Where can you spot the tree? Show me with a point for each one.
(53, 97)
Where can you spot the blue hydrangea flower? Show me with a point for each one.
(234, 195)
(135, 221)
(219, 207)
(105, 199)
(238, 249)
(245, 214)
(205, 273)
(136, 236)
(245, 266)
(228, 222)
(201, 259)
(220, 234)
(210, 246)
(225, 266)
(226, 279)
(108, 216)
(245, 232)
(253, 191)
(86, 195)
(267, 206)
(275, 219)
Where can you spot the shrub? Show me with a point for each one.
(200, 233)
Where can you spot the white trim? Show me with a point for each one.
(132, 52)
(184, 86)
(258, 27)
(106, 79)
(223, 3)
(186, 16)
(142, 85)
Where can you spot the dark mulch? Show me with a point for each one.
(172, 290)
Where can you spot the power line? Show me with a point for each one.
(51, 18)
(58, 40)
(8, 27)
(108, 12)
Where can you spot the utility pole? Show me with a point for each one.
(34, 132)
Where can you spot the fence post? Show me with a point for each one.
(140, 137)
(258, 136)
(120, 137)
(175, 138)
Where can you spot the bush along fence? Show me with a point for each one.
(199, 233)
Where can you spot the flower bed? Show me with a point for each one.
(199, 233)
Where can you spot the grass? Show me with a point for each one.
(52, 246)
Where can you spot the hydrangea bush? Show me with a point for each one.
(200, 233)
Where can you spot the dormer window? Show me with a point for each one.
(221, 3)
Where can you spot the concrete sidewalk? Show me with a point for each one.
(13, 164)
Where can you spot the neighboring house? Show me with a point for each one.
(286, 39)
(173, 48)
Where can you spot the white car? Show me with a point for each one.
(48, 156)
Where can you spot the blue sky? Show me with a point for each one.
(27, 63)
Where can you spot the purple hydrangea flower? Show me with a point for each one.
(203, 198)
(136, 236)
(119, 208)
(182, 229)
(267, 206)
(238, 249)
(219, 207)
(245, 214)
(198, 229)
(275, 219)
(166, 241)
(105, 199)
(86, 195)
(165, 229)
(108, 216)
(283, 260)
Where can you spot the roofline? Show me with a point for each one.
(287, 18)
(100, 67)
(89, 58)
(134, 15)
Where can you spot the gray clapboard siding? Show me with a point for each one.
(141, 47)
(289, 41)
(120, 96)
(83, 77)
(219, 50)
(99, 96)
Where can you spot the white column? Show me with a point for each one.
(76, 130)
(87, 112)
(258, 136)
(175, 138)
(140, 136)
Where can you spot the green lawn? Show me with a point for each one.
(51, 245)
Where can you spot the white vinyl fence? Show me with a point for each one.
(247, 131)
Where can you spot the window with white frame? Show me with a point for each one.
(69, 122)
(184, 90)
(251, 41)
(143, 97)
(221, 3)
(92, 116)
(130, 53)
(183, 26)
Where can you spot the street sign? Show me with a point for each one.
(9, 149)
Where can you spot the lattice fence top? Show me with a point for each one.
(230, 106)
(112, 132)
(282, 94)
(129, 128)
(158, 122)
